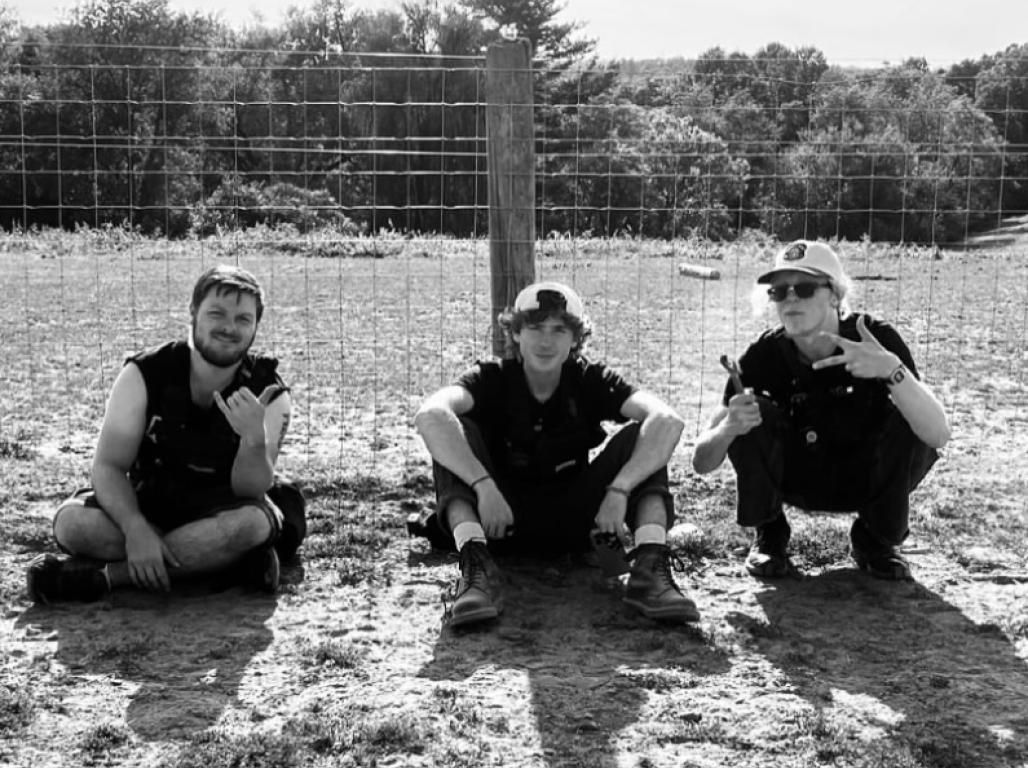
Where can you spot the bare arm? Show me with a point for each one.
(120, 436)
(659, 432)
(740, 416)
(116, 448)
(868, 359)
(921, 408)
(438, 424)
(261, 426)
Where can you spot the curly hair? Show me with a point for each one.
(514, 322)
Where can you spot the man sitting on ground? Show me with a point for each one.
(510, 442)
(183, 474)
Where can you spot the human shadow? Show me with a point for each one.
(955, 691)
(588, 661)
(185, 652)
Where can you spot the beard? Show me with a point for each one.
(219, 358)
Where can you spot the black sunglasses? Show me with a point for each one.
(802, 290)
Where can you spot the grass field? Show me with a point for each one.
(349, 664)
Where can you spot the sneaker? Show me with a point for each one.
(880, 559)
(768, 557)
(651, 588)
(54, 578)
(259, 569)
(478, 595)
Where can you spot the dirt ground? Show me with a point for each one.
(351, 662)
(350, 665)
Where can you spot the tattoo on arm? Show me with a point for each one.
(282, 432)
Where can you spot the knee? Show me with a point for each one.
(251, 525)
(86, 530)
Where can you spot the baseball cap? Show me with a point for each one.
(551, 296)
(806, 256)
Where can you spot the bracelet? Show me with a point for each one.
(898, 374)
(483, 478)
(615, 489)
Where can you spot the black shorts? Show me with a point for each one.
(284, 506)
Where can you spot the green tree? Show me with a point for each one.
(1001, 91)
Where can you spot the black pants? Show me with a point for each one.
(777, 462)
(550, 516)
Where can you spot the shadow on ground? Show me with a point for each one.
(185, 654)
(955, 692)
(588, 661)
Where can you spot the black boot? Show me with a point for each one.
(651, 588)
(879, 558)
(769, 556)
(53, 578)
(479, 596)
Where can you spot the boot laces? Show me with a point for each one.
(473, 568)
(664, 563)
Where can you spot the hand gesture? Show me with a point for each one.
(244, 411)
(864, 359)
(610, 518)
(743, 413)
(493, 511)
(145, 554)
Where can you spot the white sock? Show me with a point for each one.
(651, 533)
(468, 531)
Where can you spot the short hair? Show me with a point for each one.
(514, 322)
(225, 278)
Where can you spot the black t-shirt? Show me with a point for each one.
(839, 408)
(547, 441)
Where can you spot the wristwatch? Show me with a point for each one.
(896, 376)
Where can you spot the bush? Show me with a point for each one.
(239, 204)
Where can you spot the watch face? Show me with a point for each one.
(898, 375)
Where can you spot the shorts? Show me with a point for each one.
(284, 506)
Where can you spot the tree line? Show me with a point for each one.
(128, 113)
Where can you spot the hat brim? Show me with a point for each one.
(767, 276)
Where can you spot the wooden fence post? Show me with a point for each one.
(510, 143)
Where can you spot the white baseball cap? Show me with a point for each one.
(806, 256)
(551, 296)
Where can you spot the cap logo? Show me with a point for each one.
(551, 301)
(796, 252)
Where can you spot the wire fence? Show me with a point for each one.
(356, 188)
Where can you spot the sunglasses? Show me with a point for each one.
(802, 290)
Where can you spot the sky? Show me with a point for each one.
(866, 32)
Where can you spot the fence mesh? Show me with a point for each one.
(355, 187)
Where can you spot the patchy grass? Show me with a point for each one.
(349, 666)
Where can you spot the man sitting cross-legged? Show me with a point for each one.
(183, 474)
(511, 441)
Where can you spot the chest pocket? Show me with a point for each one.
(549, 442)
(185, 446)
(844, 415)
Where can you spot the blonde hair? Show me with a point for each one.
(844, 290)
